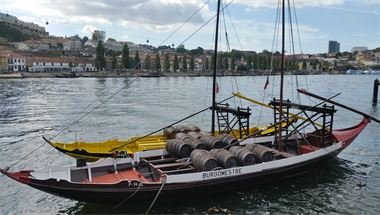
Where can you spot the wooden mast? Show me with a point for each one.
(282, 77)
(214, 75)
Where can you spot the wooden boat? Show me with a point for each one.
(186, 168)
(92, 151)
(149, 173)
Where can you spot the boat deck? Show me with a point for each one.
(112, 178)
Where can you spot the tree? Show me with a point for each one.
(225, 63)
(197, 52)
(114, 62)
(304, 65)
(100, 60)
(207, 64)
(250, 64)
(175, 63)
(219, 64)
(125, 57)
(137, 60)
(192, 63)
(181, 49)
(147, 63)
(84, 40)
(255, 61)
(184, 63)
(157, 62)
(233, 64)
(166, 62)
(212, 62)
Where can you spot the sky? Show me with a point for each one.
(250, 24)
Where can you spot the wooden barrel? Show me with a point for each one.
(196, 143)
(170, 132)
(182, 136)
(250, 147)
(193, 128)
(195, 135)
(212, 142)
(205, 133)
(182, 128)
(178, 148)
(224, 158)
(245, 156)
(203, 160)
(262, 153)
(227, 139)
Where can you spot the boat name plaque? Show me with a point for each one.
(221, 173)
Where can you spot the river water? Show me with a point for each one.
(30, 108)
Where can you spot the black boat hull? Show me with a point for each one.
(118, 192)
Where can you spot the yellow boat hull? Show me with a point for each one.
(92, 151)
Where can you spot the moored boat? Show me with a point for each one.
(195, 165)
(148, 173)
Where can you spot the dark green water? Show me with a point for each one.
(30, 108)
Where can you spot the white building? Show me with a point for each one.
(16, 63)
(49, 64)
(359, 49)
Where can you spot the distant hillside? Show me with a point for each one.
(12, 34)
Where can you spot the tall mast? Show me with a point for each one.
(214, 75)
(282, 76)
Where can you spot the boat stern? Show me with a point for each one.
(348, 135)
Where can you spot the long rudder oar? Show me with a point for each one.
(337, 104)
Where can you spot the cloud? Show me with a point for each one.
(299, 3)
(88, 29)
(151, 12)
(372, 2)
(258, 36)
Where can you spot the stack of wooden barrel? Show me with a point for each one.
(208, 152)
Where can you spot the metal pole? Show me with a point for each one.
(214, 75)
(375, 92)
(282, 76)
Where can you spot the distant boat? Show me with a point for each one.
(67, 75)
(151, 75)
(353, 72)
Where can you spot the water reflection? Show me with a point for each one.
(35, 107)
(316, 190)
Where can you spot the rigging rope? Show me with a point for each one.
(204, 24)
(292, 50)
(125, 200)
(155, 198)
(71, 124)
(96, 107)
(176, 30)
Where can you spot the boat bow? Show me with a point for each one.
(22, 176)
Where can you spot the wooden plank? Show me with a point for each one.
(179, 170)
(157, 161)
(283, 154)
(170, 165)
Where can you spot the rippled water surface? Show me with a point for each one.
(30, 108)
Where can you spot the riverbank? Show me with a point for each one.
(116, 74)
